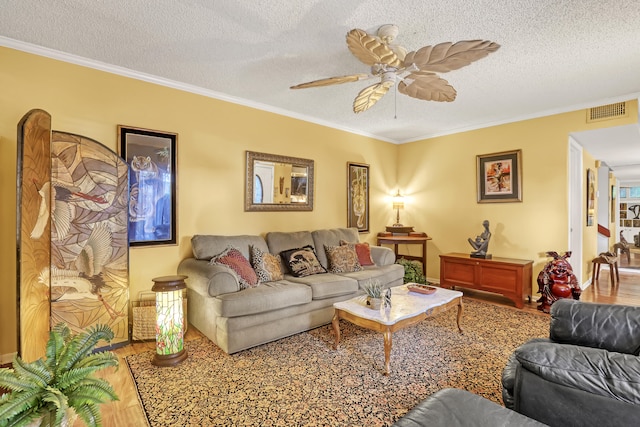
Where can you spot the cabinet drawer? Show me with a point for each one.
(461, 273)
(498, 279)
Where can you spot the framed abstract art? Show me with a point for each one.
(499, 177)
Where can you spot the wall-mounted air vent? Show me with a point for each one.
(607, 112)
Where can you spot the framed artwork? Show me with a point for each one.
(151, 156)
(499, 177)
(613, 204)
(358, 196)
(591, 196)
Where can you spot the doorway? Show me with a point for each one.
(575, 209)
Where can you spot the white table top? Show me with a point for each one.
(404, 304)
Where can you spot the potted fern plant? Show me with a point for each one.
(54, 390)
(412, 271)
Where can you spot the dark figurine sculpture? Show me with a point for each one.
(556, 281)
(481, 242)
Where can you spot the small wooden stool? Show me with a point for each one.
(622, 248)
(606, 258)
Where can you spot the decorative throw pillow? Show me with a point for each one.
(302, 262)
(363, 250)
(233, 258)
(266, 265)
(342, 259)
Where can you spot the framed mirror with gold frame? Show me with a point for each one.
(278, 183)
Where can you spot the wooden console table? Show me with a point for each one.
(410, 239)
(507, 276)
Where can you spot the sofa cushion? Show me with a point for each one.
(342, 259)
(363, 250)
(327, 285)
(266, 297)
(332, 237)
(266, 265)
(207, 246)
(302, 262)
(450, 407)
(594, 370)
(389, 275)
(609, 326)
(232, 258)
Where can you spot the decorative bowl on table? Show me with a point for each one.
(421, 289)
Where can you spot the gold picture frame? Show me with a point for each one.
(358, 196)
(499, 177)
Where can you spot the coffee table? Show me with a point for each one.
(407, 308)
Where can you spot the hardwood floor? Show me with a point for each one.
(128, 411)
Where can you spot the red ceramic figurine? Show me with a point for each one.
(556, 280)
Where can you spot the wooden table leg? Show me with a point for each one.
(336, 329)
(387, 351)
(460, 310)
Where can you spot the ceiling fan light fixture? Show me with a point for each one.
(415, 70)
(389, 76)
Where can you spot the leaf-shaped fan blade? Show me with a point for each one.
(370, 95)
(332, 81)
(370, 49)
(445, 57)
(429, 87)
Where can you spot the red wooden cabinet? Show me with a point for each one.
(509, 277)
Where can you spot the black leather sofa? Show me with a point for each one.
(452, 407)
(587, 373)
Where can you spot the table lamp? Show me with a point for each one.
(169, 320)
(398, 203)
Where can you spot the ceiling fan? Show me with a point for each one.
(414, 71)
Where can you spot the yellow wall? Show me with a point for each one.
(437, 174)
(439, 177)
(213, 137)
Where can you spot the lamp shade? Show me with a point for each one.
(398, 203)
(169, 320)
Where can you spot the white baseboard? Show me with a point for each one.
(6, 358)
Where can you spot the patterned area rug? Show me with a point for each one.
(302, 381)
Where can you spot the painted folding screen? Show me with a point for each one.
(89, 235)
(73, 237)
(33, 233)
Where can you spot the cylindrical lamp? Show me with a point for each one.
(169, 320)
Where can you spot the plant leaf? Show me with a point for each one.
(90, 414)
(370, 50)
(445, 57)
(20, 405)
(35, 372)
(370, 95)
(428, 87)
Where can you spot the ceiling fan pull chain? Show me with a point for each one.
(395, 99)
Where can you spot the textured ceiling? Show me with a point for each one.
(556, 55)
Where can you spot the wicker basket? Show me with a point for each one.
(144, 317)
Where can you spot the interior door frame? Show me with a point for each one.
(576, 209)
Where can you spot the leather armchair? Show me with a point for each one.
(587, 373)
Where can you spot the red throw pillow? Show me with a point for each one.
(363, 250)
(233, 258)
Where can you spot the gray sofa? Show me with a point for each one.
(238, 319)
(587, 373)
